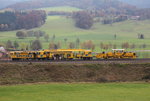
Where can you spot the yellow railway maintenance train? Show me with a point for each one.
(70, 54)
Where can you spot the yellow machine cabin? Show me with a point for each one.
(22, 55)
(121, 53)
(116, 54)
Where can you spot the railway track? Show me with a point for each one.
(101, 61)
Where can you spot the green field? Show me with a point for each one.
(63, 27)
(61, 8)
(76, 92)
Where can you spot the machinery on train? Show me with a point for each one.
(71, 54)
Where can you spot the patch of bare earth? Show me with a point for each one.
(33, 73)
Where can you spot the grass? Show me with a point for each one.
(76, 92)
(61, 8)
(64, 27)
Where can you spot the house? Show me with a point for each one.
(134, 17)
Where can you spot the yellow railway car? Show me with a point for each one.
(116, 54)
(22, 55)
(69, 54)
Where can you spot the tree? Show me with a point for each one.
(143, 46)
(132, 46)
(46, 37)
(27, 47)
(101, 45)
(106, 46)
(140, 36)
(37, 34)
(125, 45)
(65, 39)
(11, 20)
(30, 33)
(59, 45)
(107, 21)
(16, 44)
(114, 46)
(88, 45)
(21, 34)
(23, 46)
(83, 19)
(41, 33)
(115, 36)
(77, 42)
(53, 46)
(71, 45)
(53, 37)
(9, 44)
(36, 45)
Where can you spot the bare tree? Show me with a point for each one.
(16, 44)
(36, 45)
(46, 37)
(77, 42)
(71, 45)
(65, 39)
(9, 44)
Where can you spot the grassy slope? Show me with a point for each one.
(63, 27)
(76, 92)
(62, 8)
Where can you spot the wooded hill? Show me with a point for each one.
(5, 3)
(21, 20)
(84, 4)
(138, 3)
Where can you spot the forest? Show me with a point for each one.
(21, 20)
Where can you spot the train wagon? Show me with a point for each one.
(117, 54)
(70, 54)
(22, 55)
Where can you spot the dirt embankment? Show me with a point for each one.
(31, 73)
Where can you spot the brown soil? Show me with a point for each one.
(32, 73)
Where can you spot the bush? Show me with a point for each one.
(21, 34)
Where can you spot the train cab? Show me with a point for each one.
(22, 55)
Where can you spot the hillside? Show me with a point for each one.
(84, 4)
(61, 9)
(138, 3)
(63, 27)
(4, 3)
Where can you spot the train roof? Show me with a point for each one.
(118, 49)
(75, 50)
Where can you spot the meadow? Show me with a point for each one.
(64, 27)
(76, 92)
(61, 8)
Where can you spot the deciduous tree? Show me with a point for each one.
(21, 34)
(36, 45)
